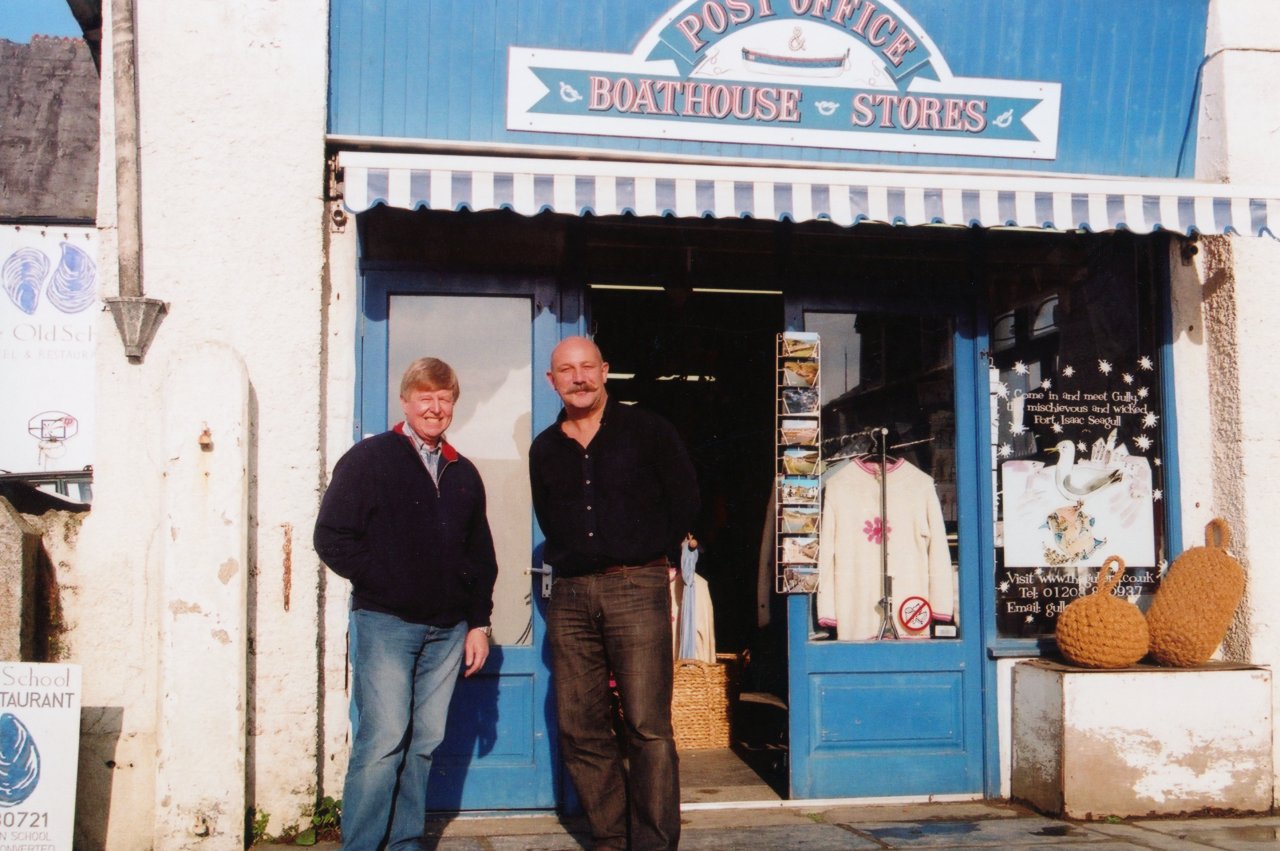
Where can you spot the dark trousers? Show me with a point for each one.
(618, 624)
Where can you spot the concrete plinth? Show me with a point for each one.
(1141, 741)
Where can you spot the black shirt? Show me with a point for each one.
(628, 498)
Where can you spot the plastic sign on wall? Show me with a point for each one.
(49, 284)
(845, 74)
(39, 751)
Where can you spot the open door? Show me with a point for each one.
(496, 332)
(886, 659)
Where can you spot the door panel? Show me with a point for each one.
(498, 748)
(875, 710)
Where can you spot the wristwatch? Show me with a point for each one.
(488, 631)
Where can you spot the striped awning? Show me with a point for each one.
(607, 187)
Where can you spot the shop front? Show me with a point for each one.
(925, 371)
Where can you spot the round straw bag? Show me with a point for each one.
(1102, 630)
(1196, 601)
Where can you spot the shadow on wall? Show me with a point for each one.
(100, 730)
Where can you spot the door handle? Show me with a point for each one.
(545, 570)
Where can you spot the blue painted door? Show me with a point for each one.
(873, 715)
(495, 332)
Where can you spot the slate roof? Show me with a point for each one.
(48, 131)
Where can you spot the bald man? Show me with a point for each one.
(615, 493)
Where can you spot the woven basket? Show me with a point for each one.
(700, 701)
(1101, 630)
(1196, 601)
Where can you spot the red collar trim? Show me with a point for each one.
(446, 448)
(870, 465)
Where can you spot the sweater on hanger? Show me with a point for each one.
(849, 568)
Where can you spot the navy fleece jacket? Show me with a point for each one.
(410, 547)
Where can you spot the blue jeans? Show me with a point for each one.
(403, 676)
(619, 624)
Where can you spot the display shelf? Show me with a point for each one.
(798, 441)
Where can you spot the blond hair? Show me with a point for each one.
(429, 374)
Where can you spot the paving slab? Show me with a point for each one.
(1233, 834)
(793, 837)
(951, 825)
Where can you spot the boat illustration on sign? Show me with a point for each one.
(809, 66)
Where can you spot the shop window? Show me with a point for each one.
(1003, 331)
(888, 475)
(1077, 434)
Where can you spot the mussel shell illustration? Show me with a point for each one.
(72, 287)
(19, 761)
(23, 276)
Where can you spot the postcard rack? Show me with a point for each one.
(798, 437)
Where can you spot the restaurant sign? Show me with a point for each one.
(845, 74)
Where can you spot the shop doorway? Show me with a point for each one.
(821, 711)
(886, 661)
(703, 358)
(688, 314)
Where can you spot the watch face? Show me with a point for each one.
(915, 613)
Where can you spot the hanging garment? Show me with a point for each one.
(765, 570)
(703, 621)
(686, 623)
(849, 566)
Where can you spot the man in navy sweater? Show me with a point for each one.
(404, 520)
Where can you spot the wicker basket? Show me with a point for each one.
(700, 701)
(1101, 630)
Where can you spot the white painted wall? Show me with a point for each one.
(1239, 132)
(232, 101)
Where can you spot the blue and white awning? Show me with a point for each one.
(605, 187)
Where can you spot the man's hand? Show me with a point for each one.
(475, 650)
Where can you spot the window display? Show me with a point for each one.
(1076, 429)
(868, 589)
(887, 521)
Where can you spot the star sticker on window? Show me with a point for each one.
(1068, 371)
(1127, 378)
(1104, 367)
(1021, 368)
(1149, 420)
(1144, 362)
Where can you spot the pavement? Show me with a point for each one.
(823, 826)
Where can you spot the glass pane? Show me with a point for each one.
(887, 543)
(1076, 454)
(488, 342)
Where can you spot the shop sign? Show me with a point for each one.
(39, 751)
(843, 74)
(1079, 476)
(49, 278)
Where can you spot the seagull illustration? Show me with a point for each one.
(1076, 482)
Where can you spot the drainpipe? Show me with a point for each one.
(136, 317)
